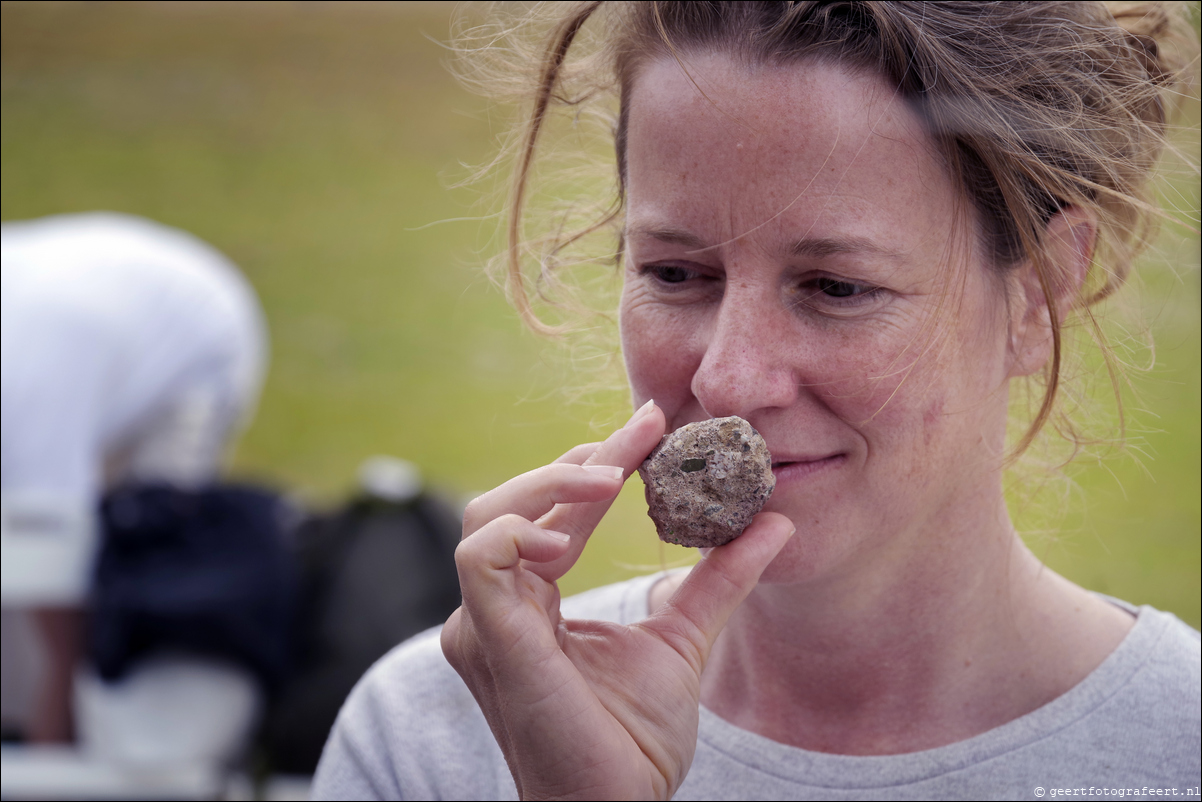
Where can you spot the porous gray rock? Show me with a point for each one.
(706, 480)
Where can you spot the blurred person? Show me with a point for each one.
(863, 227)
(131, 352)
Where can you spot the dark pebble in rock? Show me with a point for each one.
(705, 481)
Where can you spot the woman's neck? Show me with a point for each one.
(929, 652)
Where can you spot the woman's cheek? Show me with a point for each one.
(662, 347)
(867, 374)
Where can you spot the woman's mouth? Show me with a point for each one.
(785, 470)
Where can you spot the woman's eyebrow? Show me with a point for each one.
(812, 247)
(672, 236)
(818, 247)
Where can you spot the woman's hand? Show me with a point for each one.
(588, 709)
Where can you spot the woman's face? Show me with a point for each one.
(795, 257)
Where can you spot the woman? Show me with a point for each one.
(854, 225)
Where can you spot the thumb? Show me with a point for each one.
(717, 585)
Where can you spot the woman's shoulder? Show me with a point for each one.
(1159, 642)
(1135, 718)
(1165, 655)
(411, 729)
(408, 730)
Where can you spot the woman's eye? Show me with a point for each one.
(671, 274)
(837, 295)
(839, 289)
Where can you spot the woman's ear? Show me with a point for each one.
(1069, 241)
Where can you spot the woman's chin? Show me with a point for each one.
(808, 555)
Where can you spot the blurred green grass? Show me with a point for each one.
(314, 143)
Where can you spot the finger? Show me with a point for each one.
(507, 613)
(626, 449)
(630, 445)
(580, 453)
(717, 585)
(536, 492)
(490, 561)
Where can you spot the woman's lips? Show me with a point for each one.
(784, 470)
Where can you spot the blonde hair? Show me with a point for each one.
(1033, 106)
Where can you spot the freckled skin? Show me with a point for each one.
(907, 390)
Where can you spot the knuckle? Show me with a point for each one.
(579, 454)
(459, 644)
(720, 571)
(510, 522)
(468, 556)
(473, 551)
(449, 638)
(546, 478)
(474, 515)
(687, 638)
(467, 553)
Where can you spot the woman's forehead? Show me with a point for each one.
(788, 108)
(713, 141)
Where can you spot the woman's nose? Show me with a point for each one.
(747, 363)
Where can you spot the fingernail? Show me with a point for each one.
(640, 413)
(560, 536)
(608, 471)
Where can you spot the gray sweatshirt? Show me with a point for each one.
(411, 730)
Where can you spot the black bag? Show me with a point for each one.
(373, 574)
(207, 572)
